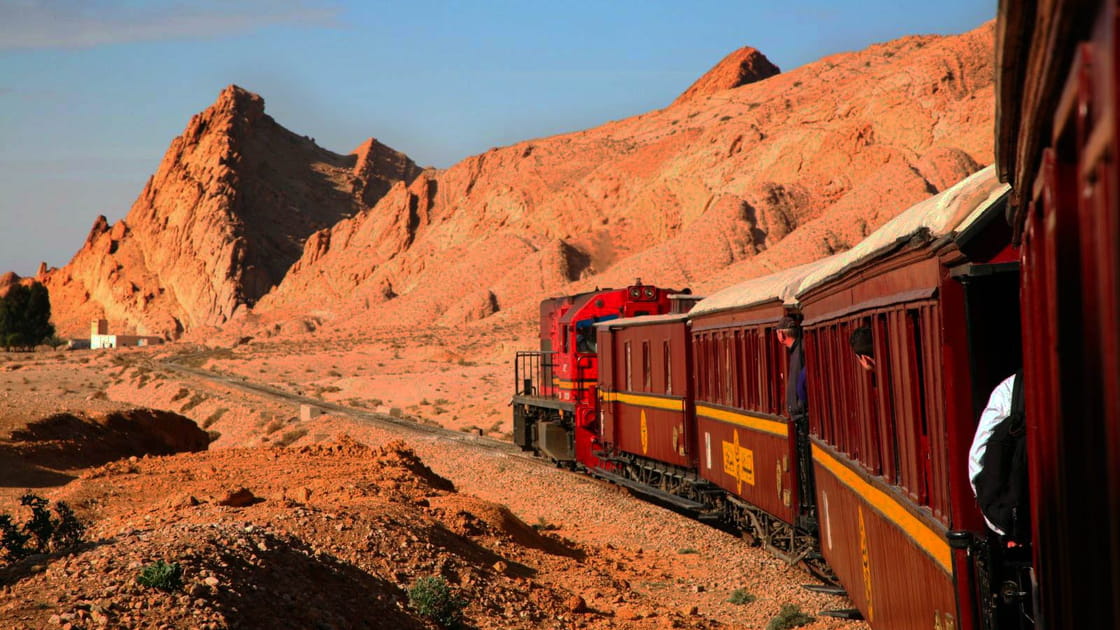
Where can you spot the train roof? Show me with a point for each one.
(778, 286)
(951, 211)
(645, 320)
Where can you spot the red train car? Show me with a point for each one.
(1057, 144)
(645, 405)
(748, 445)
(890, 445)
(555, 406)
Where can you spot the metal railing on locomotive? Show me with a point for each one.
(533, 374)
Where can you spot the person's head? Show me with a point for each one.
(787, 331)
(863, 346)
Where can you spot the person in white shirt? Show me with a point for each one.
(999, 407)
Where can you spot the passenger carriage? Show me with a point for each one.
(936, 286)
(747, 444)
(646, 408)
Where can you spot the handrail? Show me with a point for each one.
(533, 374)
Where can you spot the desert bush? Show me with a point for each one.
(291, 436)
(542, 525)
(431, 597)
(214, 417)
(41, 532)
(789, 617)
(162, 575)
(12, 538)
(741, 596)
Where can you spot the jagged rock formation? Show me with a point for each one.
(724, 185)
(749, 171)
(741, 67)
(219, 224)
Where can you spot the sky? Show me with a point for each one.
(93, 91)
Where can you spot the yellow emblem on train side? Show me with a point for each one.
(645, 434)
(865, 561)
(738, 462)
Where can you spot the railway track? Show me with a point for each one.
(377, 419)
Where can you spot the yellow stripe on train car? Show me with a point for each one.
(926, 537)
(581, 384)
(765, 425)
(639, 400)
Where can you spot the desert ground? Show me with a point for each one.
(342, 515)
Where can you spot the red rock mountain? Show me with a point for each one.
(747, 172)
(219, 224)
(712, 190)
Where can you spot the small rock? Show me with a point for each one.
(238, 498)
(211, 581)
(690, 611)
(55, 620)
(699, 588)
(576, 604)
(626, 613)
(499, 567)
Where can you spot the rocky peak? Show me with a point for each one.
(741, 67)
(377, 167)
(221, 221)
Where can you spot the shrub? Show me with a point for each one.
(161, 575)
(68, 530)
(789, 617)
(25, 314)
(431, 597)
(41, 533)
(13, 540)
(291, 436)
(741, 596)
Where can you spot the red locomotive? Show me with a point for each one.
(555, 401)
(688, 407)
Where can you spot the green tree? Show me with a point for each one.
(25, 316)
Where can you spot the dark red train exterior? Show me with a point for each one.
(958, 292)
(1057, 145)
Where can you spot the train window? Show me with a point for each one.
(666, 355)
(776, 375)
(728, 371)
(717, 377)
(647, 368)
(629, 368)
(737, 359)
(585, 339)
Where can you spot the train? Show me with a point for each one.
(682, 399)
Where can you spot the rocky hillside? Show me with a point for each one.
(748, 171)
(219, 224)
(745, 173)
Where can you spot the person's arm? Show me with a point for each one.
(999, 406)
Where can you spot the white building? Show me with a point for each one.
(99, 337)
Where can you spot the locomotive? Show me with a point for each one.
(686, 406)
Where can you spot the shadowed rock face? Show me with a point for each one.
(220, 222)
(749, 171)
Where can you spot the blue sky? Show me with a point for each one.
(93, 91)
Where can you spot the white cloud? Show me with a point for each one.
(86, 23)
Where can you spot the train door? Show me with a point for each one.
(1004, 577)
